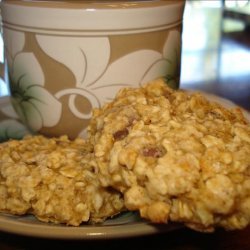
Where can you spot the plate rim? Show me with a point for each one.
(12, 224)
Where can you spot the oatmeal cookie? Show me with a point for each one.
(175, 156)
(54, 179)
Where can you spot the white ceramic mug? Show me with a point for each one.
(66, 58)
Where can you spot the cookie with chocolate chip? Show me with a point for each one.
(175, 156)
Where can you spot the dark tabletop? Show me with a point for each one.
(179, 239)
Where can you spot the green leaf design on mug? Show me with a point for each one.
(35, 106)
(172, 53)
(12, 129)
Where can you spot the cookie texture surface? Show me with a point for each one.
(175, 156)
(55, 179)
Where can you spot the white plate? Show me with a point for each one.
(125, 225)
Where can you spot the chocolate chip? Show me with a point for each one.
(120, 134)
(153, 152)
(169, 96)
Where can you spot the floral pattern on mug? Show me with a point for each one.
(172, 53)
(96, 78)
(102, 80)
(12, 129)
(10, 125)
(30, 99)
(14, 42)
